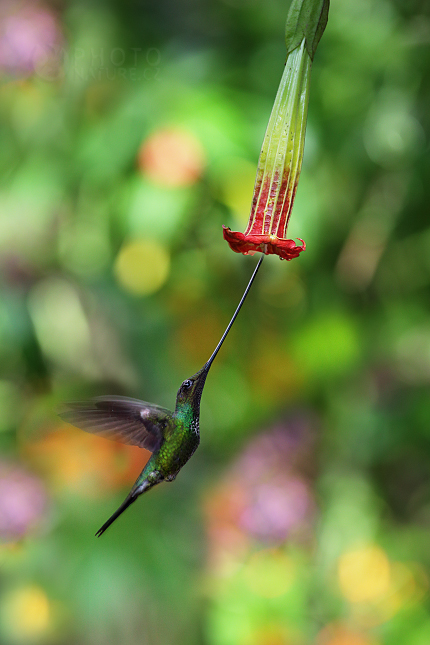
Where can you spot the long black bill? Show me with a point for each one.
(230, 324)
(132, 497)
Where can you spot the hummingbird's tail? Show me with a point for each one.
(146, 480)
(126, 503)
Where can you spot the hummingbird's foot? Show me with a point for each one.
(170, 478)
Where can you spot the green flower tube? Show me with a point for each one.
(281, 155)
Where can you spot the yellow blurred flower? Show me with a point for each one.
(364, 574)
(142, 266)
(26, 614)
(377, 588)
(272, 634)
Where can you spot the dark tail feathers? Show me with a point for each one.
(126, 503)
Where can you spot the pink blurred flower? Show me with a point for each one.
(267, 495)
(30, 39)
(276, 508)
(23, 501)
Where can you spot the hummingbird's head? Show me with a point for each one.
(191, 390)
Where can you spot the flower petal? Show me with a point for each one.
(268, 244)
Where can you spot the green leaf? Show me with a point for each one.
(307, 20)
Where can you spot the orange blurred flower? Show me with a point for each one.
(340, 634)
(86, 464)
(172, 157)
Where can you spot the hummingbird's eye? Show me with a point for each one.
(187, 384)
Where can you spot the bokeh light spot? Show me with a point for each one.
(392, 133)
(142, 267)
(338, 634)
(84, 464)
(26, 614)
(23, 502)
(172, 157)
(30, 39)
(61, 324)
(271, 634)
(364, 574)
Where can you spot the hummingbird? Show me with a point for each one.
(171, 437)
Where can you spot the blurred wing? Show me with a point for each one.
(125, 420)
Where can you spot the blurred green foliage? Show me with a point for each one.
(130, 133)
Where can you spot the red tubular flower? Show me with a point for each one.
(281, 155)
(248, 244)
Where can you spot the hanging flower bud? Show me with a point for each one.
(281, 155)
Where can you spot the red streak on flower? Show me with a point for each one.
(268, 221)
(283, 209)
